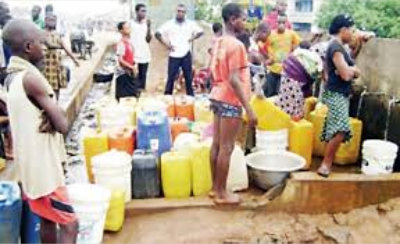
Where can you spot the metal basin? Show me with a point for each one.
(267, 169)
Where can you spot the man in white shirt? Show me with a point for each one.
(177, 35)
(141, 37)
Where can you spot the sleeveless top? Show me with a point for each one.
(38, 155)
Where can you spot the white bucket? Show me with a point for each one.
(272, 140)
(113, 170)
(378, 157)
(90, 203)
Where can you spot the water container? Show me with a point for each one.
(309, 106)
(116, 211)
(2, 164)
(130, 103)
(122, 139)
(184, 106)
(237, 176)
(176, 174)
(270, 117)
(186, 140)
(201, 169)
(272, 140)
(202, 111)
(301, 140)
(349, 152)
(153, 131)
(378, 157)
(178, 126)
(318, 119)
(90, 203)
(30, 225)
(94, 143)
(10, 212)
(112, 116)
(145, 175)
(170, 104)
(113, 170)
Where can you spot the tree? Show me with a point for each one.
(379, 16)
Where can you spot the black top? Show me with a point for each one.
(335, 82)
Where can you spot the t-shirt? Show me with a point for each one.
(126, 51)
(335, 82)
(179, 34)
(138, 38)
(279, 46)
(229, 56)
(272, 20)
(40, 23)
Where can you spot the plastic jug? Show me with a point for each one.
(179, 126)
(184, 106)
(113, 170)
(94, 143)
(176, 174)
(116, 211)
(170, 103)
(269, 116)
(348, 153)
(309, 106)
(201, 169)
(186, 140)
(146, 181)
(301, 140)
(130, 103)
(122, 139)
(237, 176)
(112, 116)
(202, 111)
(10, 212)
(153, 131)
(30, 225)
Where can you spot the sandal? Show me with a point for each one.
(324, 170)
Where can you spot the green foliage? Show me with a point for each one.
(379, 16)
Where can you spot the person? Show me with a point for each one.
(280, 10)
(258, 40)
(36, 18)
(229, 95)
(341, 72)
(126, 85)
(141, 27)
(54, 71)
(177, 35)
(300, 69)
(279, 45)
(217, 33)
(36, 124)
(254, 15)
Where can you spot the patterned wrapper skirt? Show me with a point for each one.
(337, 120)
(290, 97)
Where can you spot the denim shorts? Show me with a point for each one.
(225, 110)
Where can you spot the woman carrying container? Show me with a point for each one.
(341, 72)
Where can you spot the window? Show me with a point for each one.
(304, 6)
(302, 27)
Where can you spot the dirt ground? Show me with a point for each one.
(373, 224)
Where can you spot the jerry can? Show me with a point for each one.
(94, 143)
(269, 116)
(202, 111)
(146, 181)
(237, 176)
(122, 139)
(309, 106)
(301, 140)
(179, 126)
(176, 174)
(10, 212)
(116, 211)
(201, 169)
(349, 152)
(169, 101)
(184, 106)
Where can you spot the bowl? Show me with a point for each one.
(267, 169)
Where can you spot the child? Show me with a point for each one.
(229, 95)
(126, 70)
(217, 30)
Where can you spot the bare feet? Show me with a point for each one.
(324, 170)
(211, 194)
(227, 198)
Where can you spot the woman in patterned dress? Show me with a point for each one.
(55, 73)
(341, 72)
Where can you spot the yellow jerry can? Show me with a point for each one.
(301, 140)
(116, 211)
(94, 143)
(269, 116)
(202, 111)
(318, 119)
(201, 169)
(176, 174)
(309, 106)
(349, 152)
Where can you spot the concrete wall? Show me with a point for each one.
(380, 66)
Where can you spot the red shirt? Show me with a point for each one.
(272, 20)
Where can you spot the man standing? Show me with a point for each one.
(36, 10)
(272, 18)
(36, 124)
(279, 45)
(177, 35)
(140, 41)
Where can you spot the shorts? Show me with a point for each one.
(225, 110)
(54, 207)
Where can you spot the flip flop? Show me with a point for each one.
(324, 170)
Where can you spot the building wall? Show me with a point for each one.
(303, 17)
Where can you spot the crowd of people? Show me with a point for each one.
(270, 61)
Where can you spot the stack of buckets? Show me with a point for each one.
(378, 157)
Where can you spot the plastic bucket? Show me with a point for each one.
(90, 203)
(378, 157)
